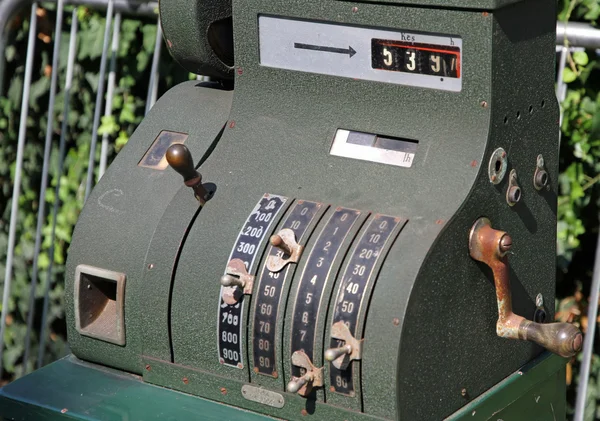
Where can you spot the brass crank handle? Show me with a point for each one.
(490, 246)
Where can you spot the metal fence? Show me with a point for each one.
(569, 38)
(114, 10)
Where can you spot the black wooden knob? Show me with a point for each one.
(180, 159)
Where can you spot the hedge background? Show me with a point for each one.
(579, 200)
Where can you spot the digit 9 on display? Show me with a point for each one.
(424, 59)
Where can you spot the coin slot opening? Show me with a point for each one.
(99, 303)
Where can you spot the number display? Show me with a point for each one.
(358, 277)
(230, 325)
(424, 59)
(270, 288)
(314, 280)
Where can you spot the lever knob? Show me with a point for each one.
(180, 159)
(278, 241)
(232, 281)
(284, 240)
(333, 354)
(312, 378)
(563, 339)
(296, 384)
(491, 246)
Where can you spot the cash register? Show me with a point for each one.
(354, 219)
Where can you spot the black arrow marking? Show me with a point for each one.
(350, 51)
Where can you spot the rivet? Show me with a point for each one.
(485, 14)
(354, 9)
(439, 222)
(494, 178)
(240, 71)
(463, 392)
(62, 411)
(231, 124)
(332, 389)
(484, 104)
(147, 367)
(473, 163)
(151, 266)
(256, 370)
(304, 412)
(396, 321)
(514, 195)
(223, 391)
(185, 380)
(275, 375)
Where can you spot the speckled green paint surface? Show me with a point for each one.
(430, 326)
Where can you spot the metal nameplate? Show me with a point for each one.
(269, 293)
(404, 58)
(314, 279)
(370, 147)
(246, 248)
(264, 396)
(357, 280)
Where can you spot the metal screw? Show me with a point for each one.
(185, 380)
(539, 300)
(304, 412)
(463, 392)
(151, 266)
(484, 104)
(223, 391)
(396, 321)
(354, 9)
(148, 367)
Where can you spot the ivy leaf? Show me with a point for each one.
(569, 75)
(581, 58)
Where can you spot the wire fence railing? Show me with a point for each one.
(570, 38)
(113, 10)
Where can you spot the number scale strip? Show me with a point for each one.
(269, 291)
(356, 282)
(246, 248)
(314, 280)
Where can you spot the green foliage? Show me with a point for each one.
(579, 180)
(134, 56)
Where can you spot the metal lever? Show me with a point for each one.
(490, 246)
(180, 159)
(340, 357)
(312, 378)
(284, 240)
(237, 281)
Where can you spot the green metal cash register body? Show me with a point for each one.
(355, 220)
